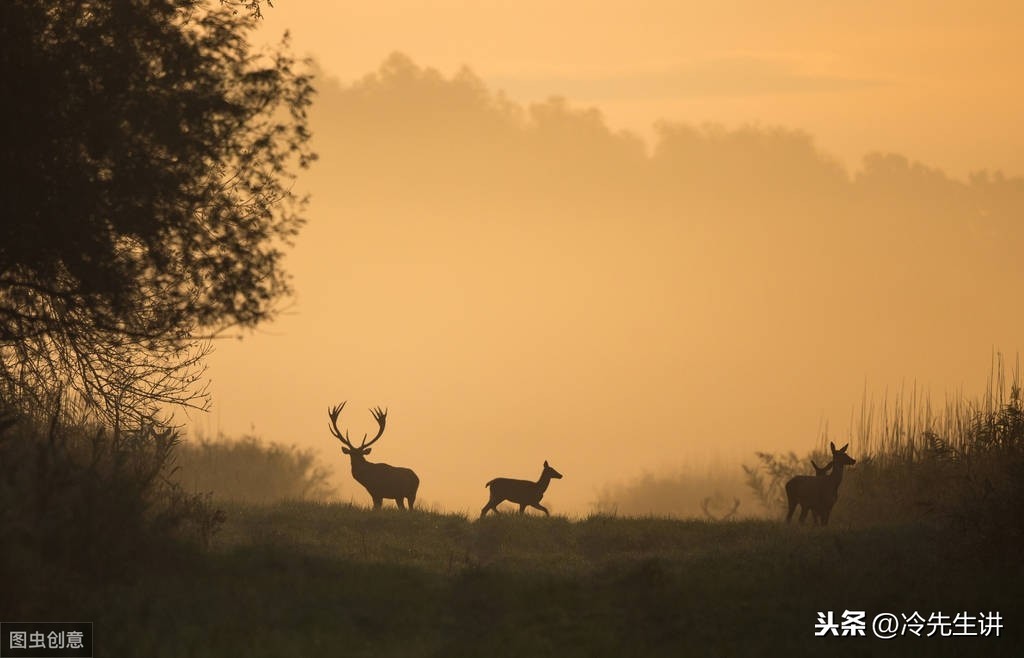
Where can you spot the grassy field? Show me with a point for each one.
(309, 579)
(94, 530)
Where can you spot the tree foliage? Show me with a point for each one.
(148, 161)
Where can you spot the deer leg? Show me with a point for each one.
(491, 505)
(792, 508)
(377, 502)
(412, 499)
(541, 508)
(400, 501)
(804, 509)
(522, 507)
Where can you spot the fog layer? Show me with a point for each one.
(520, 282)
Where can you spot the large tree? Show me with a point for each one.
(147, 161)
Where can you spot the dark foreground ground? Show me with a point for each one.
(304, 579)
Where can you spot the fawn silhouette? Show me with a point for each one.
(523, 492)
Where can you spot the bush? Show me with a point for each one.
(247, 469)
(691, 493)
(83, 502)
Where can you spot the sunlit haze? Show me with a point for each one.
(731, 220)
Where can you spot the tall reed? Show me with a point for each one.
(961, 461)
(907, 427)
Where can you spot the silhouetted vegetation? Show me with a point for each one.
(83, 505)
(960, 464)
(250, 470)
(684, 494)
(150, 155)
(310, 579)
(149, 158)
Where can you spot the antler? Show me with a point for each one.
(381, 417)
(334, 412)
(725, 517)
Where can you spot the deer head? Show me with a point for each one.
(840, 458)
(364, 447)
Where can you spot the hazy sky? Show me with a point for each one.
(517, 281)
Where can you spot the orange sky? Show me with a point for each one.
(521, 284)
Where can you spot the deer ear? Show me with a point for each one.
(346, 451)
(816, 467)
(546, 464)
(366, 452)
(833, 446)
(843, 449)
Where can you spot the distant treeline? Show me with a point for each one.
(462, 153)
(454, 138)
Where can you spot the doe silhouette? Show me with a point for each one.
(381, 480)
(818, 493)
(523, 492)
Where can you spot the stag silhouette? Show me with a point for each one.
(380, 480)
(818, 493)
(523, 492)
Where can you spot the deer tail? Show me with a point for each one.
(490, 483)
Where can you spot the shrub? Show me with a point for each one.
(689, 493)
(248, 469)
(81, 501)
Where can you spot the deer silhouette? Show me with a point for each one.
(821, 471)
(818, 493)
(380, 480)
(523, 492)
